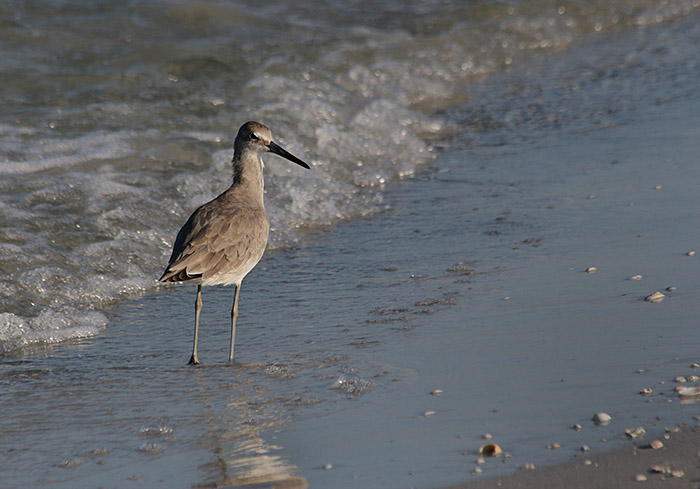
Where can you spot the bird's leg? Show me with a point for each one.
(197, 309)
(234, 315)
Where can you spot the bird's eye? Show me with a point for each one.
(253, 137)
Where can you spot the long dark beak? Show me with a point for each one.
(279, 150)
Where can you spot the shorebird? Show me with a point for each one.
(224, 239)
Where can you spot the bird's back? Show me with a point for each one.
(221, 241)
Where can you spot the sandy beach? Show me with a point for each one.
(675, 466)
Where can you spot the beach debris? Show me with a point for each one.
(688, 393)
(591, 270)
(635, 277)
(601, 419)
(587, 462)
(692, 378)
(646, 391)
(436, 392)
(690, 253)
(635, 432)
(480, 461)
(490, 450)
(70, 463)
(428, 413)
(671, 289)
(591, 196)
(655, 297)
(553, 446)
(657, 187)
(694, 365)
(640, 478)
(585, 448)
(641, 371)
(576, 427)
(529, 466)
(681, 379)
(487, 436)
(677, 473)
(477, 471)
(328, 467)
(656, 445)
(664, 468)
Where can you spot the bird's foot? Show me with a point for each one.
(193, 360)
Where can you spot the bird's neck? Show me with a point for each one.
(248, 174)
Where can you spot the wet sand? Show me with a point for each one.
(675, 466)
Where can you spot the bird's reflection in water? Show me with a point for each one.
(242, 458)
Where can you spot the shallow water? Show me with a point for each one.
(117, 121)
(343, 337)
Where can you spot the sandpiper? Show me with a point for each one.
(224, 239)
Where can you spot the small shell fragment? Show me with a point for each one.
(640, 478)
(553, 446)
(681, 380)
(690, 253)
(635, 432)
(660, 468)
(655, 297)
(591, 270)
(529, 466)
(671, 289)
(576, 427)
(646, 391)
(635, 277)
(487, 436)
(490, 450)
(694, 365)
(585, 448)
(601, 419)
(436, 392)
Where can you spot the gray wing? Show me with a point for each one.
(215, 239)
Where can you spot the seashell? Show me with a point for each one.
(635, 432)
(688, 392)
(635, 277)
(591, 270)
(601, 419)
(655, 297)
(690, 253)
(656, 445)
(660, 468)
(646, 391)
(490, 450)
